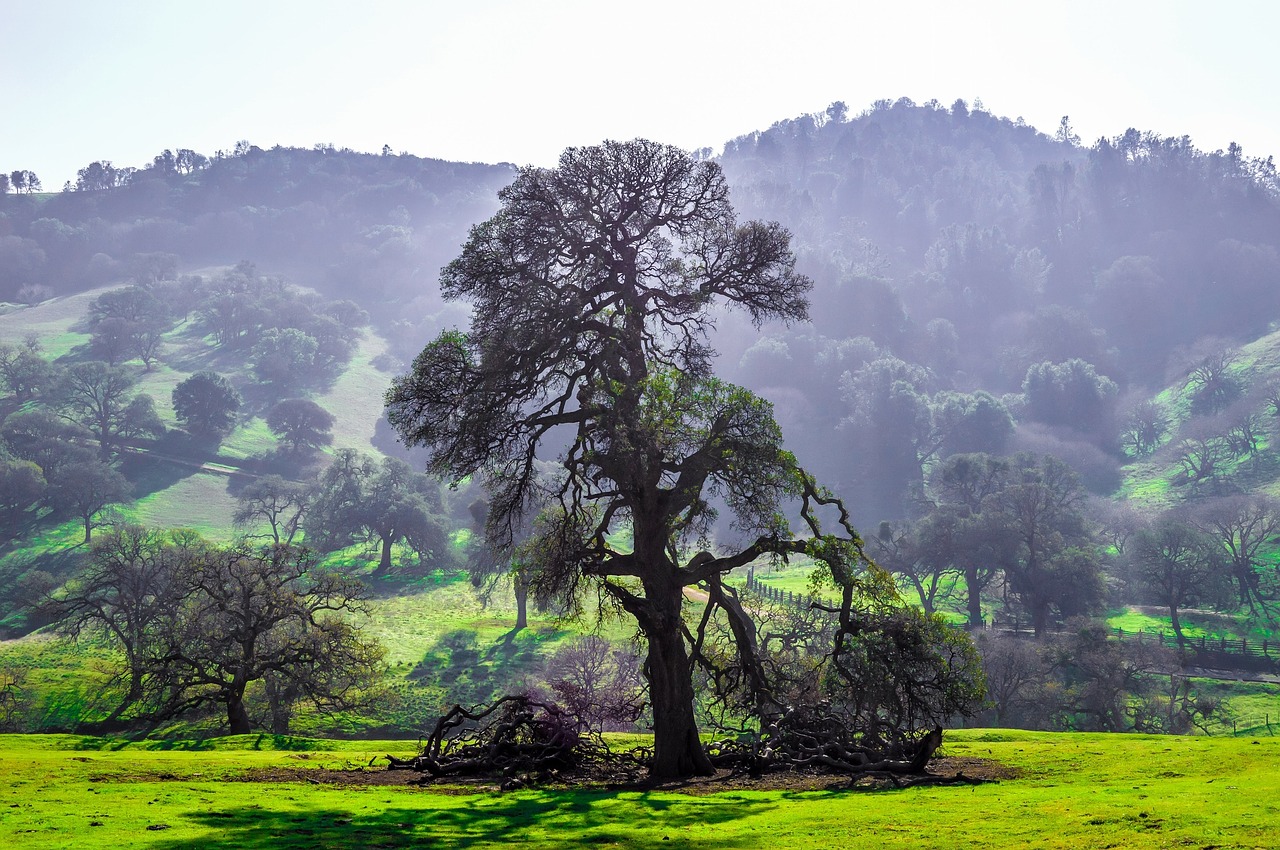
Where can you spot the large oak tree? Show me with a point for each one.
(593, 290)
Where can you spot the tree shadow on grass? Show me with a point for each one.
(404, 584)
(472, 673)
(151, 475)
(549, 819)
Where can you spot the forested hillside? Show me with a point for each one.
(953, 251)
(376, 227)
(1042, 372)
(968, 266)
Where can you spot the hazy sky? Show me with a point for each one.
(500, 80)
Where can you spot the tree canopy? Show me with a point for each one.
(206, 404)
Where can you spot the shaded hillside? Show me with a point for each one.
(973, 218)
(379, 226)
(979, 285)
(957, 252)
(1213, 430)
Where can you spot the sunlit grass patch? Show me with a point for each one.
(250, 438)
(356, 397)
(62, 681)
(195, 499)
(1148, 482)
(1196, 623)
(159, 384)
(52, 322)
(795, 577)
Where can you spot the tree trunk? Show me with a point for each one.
(1177, 624)
(677, 749)
(1248, 582)
(521, 584)
(384, 564)
(237, 714)
(278, 699)
(1039, 618)
(926, 600)
(975, 597)
(88, 528)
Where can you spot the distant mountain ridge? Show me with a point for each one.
(966, 247)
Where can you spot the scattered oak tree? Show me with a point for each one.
(206, 404)
(129, 591)
(252, 613)
(386, 504)
(139, 419)
(24, 181)
(1177, 565)
(23, 370)
(1244, 526)
(285, 357)
(95, 395)
(1051, 564)
(955, 533)
(83, 488)
(1142, 428)
(200, 625)
(47, 440)
(301, 423)
(275, 501)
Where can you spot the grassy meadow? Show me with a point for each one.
(444, 642)
(1072, 791)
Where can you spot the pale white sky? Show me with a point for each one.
(504, 80)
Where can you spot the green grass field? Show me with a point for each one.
(53, 322)
(1074, 791)
(356, 397)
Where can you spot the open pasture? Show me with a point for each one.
(1073, 791)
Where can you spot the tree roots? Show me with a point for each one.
(520, 742)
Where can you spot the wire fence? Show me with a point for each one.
(1255, 726)
(1226, 653)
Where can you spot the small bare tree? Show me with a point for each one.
(1211, 378)
(1016, 675)
(598, 682)
(1143, 427)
